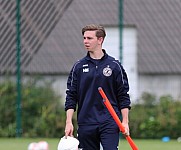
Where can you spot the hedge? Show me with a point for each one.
(44, 116)
(156, 117)
(42, 113)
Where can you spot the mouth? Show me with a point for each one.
(87, 46)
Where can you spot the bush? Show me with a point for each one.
(42, 113)
(156, 118)
(7, 109)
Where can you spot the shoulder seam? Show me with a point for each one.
(74, 70)
(120, 70)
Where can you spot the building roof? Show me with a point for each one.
(52, 40)
(38, 19)
(159, 35)
(64, 45)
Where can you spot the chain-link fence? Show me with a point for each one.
(40, 40)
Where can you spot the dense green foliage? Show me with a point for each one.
(44, 116)
(156, 118)
(42, 113)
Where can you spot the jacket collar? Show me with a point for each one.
(105, 56)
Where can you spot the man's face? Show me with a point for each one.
(91, 42)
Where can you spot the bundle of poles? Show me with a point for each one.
(116, 118)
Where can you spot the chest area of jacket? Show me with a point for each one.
(90, 72)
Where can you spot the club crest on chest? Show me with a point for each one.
(107, 71)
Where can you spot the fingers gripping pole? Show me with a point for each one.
(116, 118)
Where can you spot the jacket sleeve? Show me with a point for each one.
(71, 92)
(122, 88)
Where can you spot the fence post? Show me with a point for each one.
(18, 71)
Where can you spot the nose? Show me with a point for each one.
(85, 40)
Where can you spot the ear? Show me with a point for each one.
(100, 40)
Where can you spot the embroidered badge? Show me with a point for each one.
(86, 70)
(85, 65)
(107, 71)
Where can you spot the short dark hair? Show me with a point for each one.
(100, 31)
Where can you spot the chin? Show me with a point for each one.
(88, 49)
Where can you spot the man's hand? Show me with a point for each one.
(69, 128)
(126, 127)
(125, 120)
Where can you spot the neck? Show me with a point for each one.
(96, 54)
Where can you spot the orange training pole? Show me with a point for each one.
(116, 118)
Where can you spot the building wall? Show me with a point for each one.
(160, 85)
(130, 60)
(111, 42)
(60, 85)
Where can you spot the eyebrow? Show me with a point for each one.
(88, 37)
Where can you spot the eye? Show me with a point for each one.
(88, 38)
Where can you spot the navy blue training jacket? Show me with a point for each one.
(84, 79)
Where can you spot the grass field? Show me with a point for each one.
(22, 144)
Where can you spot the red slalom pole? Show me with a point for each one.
(116, 118)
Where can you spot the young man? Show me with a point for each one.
(97, 69)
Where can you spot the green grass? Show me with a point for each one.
(151, 145)
(22, 144)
